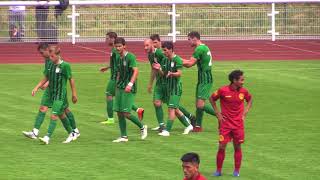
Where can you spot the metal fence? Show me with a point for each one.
(294, 21)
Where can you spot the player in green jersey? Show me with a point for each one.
(58, 73)
(203, 58)
(127, 73)
(46, 103)
(155, 55)
(111, 87)
(171, 70)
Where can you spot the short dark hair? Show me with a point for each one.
(193, 34)
(43, 46)
(112, 35)
(155, 37)
(168, 45)
(191, 157)
(120, 40)
(235, 75)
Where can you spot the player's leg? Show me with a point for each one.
(72, 121)
(139, 110)
(51, 128)
(123, 128)
(171, 117)
(66, 124)
(188, 114)
(110, 93)
(238, 139)
(184, 120)
(224, 138)
(158, 96)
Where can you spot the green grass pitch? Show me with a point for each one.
(282, 130)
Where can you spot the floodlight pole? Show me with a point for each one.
(73, 17)
(174, 16)
(273, 22)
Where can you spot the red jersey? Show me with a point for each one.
(232, 105)
(199, 177)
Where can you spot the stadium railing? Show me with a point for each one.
(88, 21)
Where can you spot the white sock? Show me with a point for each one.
(76, 130)
(35, 131)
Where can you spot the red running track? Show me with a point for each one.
(221, 50)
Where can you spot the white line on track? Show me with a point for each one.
(255, 50)
(91, 49)
(290, 47)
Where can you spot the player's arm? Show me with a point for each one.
(132, 80)
(152, 77)
(189, 63)
(157, 67)
(174, 74)
(248, 98)
(213, 99)
(45, 85)
(105, 68)
(73, 90)
(40, 84)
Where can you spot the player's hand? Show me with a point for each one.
(220, 117)
(156, 66)
(244, 116)
(34, 91)
(128, 89)
(74, 99)
(103, 69)
(169, 74)
(149, 89)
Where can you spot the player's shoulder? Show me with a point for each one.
(130, 55)
(224, 88)
(243, 90)
(65, 64)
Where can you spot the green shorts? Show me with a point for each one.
(123, 101)
(203, 91)
(59, 106)
(159, 93)
(173, 101)
(46, 100)
(111, 88)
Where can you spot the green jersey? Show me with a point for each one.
(173, 84)
(125, 70)
(113, 64)
(47, 63)
(204, 63)
(58, 75)
(157, 56)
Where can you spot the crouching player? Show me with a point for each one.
(172, 70)
(126, 89)
(231, 118)
(58, 73)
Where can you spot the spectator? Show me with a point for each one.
(16, 22)
(190, 165)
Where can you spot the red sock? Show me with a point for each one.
(220, 158)
(237, 159)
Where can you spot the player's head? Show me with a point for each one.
(167, 48)
(190, 165)
(156, 40)
(120, 44)
(110, 37)
(148, 47)
(193, 38)
(54, 53)
(236, 78)
(43, 49)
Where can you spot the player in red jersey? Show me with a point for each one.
(190, 165)
(231, 118)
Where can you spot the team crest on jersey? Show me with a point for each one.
(58, 70)
(241, 96)
(172, 64)
(124, 63)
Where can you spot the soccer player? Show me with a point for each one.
(127, 73)
(111, 87)
(202, 57)
(172, 70)
(155, 55)
(231, 118)
(46, 103)
(190, 166)
(58, 73)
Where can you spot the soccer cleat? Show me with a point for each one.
(188, 129)
(44, 140)
(109, 121)
(159, 128)
(197, 129)
(217, 173)
(30, 134)
(76, 134)
(156, 128)
(164, 133)
(140, 112)
(70, 138)
(121, 139)
(236, 174)
(144, 132)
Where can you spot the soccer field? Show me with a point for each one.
(282, 129)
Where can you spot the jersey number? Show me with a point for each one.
(209, 54)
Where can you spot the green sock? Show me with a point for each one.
(66, 125)
(199, 116)
(184, 120)
(136, 121)
(110, 108)
(70, 116)
(122, 126)
(39, 119)
(134, 107)
(169, 125)
(159, 114)
(209, 109)
(52, 126)
(185, 112)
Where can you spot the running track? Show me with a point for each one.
(221, 50)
